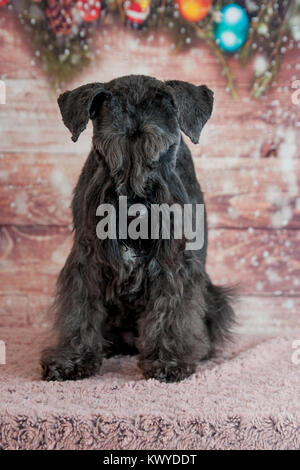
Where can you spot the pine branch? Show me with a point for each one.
(206, 35)
(262, 83)
(245, 52)
(121, 10)
(161, 12)
(58, 66)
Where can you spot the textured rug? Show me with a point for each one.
(245, 398)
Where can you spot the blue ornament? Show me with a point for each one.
(232, 31)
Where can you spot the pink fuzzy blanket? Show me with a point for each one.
(246, 398)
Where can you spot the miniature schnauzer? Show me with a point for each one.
(150, 297)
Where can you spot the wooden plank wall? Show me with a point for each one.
(247, 162)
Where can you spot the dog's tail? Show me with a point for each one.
(220, 316)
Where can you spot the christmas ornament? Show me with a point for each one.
(59, 15)
(232, 30)
(89, 9)
(136, 11)
(194, 10)
(3, 2)
(61, 32)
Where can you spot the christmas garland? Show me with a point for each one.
(62, 31)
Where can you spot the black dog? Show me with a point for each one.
(146, 297)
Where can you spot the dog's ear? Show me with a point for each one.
(194, 105)
(78, 106)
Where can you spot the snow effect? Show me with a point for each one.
(260, 65)
(259, 286)
(282, 217)
(251, 6)
(289, 304)
(277, 196)
(60, 183)
(287, 149)
(21, 202)
(4, 175)
(272, 276)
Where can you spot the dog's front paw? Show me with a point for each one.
(165, 372)
(66, 365)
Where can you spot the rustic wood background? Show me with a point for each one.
(247, 163)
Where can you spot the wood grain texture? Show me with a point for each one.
(25, 310)
(36, 189)
(16, 56)
(268, 315)
(261, 262)
(244, 128)
(31, 258)
(247, 162)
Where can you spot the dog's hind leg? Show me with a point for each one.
(79, 318)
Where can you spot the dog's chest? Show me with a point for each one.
(127, 284)
(129, 256)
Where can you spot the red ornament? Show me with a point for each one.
(89, 9)
(137, 11)
(3, 2)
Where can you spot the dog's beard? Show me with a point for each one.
(122, 172)
(132, 157)
(168, 190)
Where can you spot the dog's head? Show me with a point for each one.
(137, 122)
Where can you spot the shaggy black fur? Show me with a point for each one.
(150, 297)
